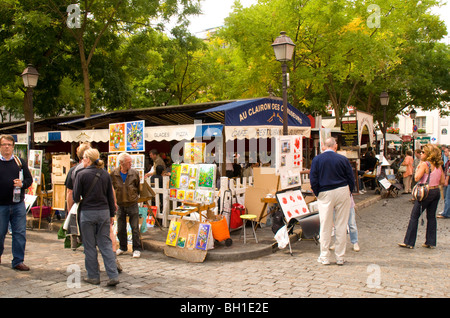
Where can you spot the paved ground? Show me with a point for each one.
(379, 270)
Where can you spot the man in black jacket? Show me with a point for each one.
(14, 173)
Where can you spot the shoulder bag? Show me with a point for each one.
(421, 190)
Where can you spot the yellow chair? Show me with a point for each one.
(251, 218)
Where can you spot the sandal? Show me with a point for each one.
(428, 246)
(405, 245)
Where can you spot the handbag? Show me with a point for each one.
(421, 190)
(235, 218)
(402, 169)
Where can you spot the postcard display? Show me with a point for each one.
(127, 137)
(289, 161)
(191, 182)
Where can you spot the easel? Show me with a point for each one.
(48, 195)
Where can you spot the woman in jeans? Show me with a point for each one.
(431, 162)
(97, 213)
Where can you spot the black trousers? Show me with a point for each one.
(430, 205)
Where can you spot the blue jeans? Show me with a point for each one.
(15, 214)
(352, 229)
(446, 212)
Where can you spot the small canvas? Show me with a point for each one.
(190, 244)
(202, 236)
(206, 176)
(172, 235)
(292, 204)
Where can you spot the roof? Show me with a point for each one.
(154, 116)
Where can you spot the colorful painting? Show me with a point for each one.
(181, 242)
(194, 152)
(172, 235)
(190, 244)
(135, 136)
(207, 176)
(202, 236)
(117, 137)
(175, 176)
(190, 195)
(181, 195)
(173, 193)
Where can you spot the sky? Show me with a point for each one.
(215, 11)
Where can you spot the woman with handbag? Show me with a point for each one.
(407, 172)
(430, 168)
(93, 188)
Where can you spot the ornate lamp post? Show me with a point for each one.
(384, 100)
(412, 115)
(30, 78)
(284, 48)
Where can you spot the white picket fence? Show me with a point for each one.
(236, 186)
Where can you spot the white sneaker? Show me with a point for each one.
(136, 254)
(340, 262)
(356, 247)
(323, 261)
(119, 252)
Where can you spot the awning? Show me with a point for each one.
(262, 117)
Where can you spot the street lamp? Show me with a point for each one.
(384, 100)
(412, 115)
(30, 78)
(284, 48)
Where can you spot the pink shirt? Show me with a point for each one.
(435, 177)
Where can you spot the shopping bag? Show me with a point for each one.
(219, 229)
(235, 218)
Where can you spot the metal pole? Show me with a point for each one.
(31, 116)
(285, 106)
(384, 132)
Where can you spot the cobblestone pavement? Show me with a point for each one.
(380, 270)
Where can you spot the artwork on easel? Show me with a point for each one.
(202, 236)
(172, 235)
(194, 152)
(292, 204)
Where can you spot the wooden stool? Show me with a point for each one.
(252, 218)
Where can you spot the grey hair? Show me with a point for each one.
(122, 156)
(329, 142)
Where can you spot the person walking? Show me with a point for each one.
(126, 184)
(15, 178)
(332, 181)
(430, 166)
(75, 240)
(407, 175)
(93, 186)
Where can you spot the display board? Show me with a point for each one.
(137, 163)
(60, 168)
(289, 160)
(35, 165)
(292, 204)
(127, 136)
(188, 240)
(192, 182)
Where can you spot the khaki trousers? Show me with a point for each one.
(334, 209)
